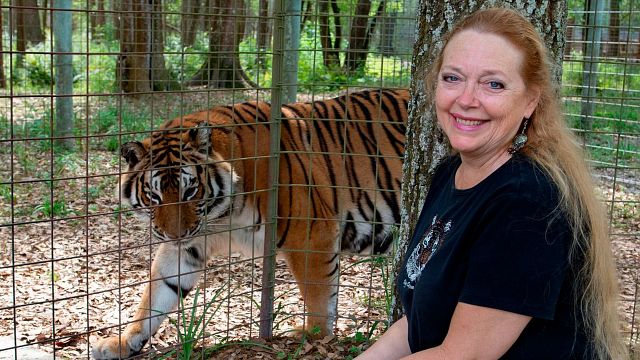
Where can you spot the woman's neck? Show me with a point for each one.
(473, 170)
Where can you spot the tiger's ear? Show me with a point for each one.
(200, 138)
(132, 152)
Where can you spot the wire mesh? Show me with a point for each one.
(601, 88)
(75, 258)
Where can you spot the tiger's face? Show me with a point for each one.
(177, 181)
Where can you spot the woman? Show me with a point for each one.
(510, 258)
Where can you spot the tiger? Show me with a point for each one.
(204, 174)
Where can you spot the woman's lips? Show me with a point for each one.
(466, 123)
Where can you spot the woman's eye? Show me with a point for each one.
(496, 85)
(450, 78)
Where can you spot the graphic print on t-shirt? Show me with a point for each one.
(432, 240)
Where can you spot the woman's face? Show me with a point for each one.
(481, 97)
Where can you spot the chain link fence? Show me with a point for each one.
(78, 79)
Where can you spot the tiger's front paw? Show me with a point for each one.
(113, 347)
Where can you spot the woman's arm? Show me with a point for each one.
(393, 344)
(476, 332)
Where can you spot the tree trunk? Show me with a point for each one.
(115, 18)
(222, 68)
(264, 33)
(335, 9)
(307, 12)
(592, 51)
(28, 22)
(189, 21)
(614, 28)
(330, 49)
(62, 30)
(21, 41)
(46, 21)
(293, 9)
(3, 80)
(570, 37)
(140, 66)
(97, 18)
(356, 50)
(425, 144)
(362, 56)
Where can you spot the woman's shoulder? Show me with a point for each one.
(522, 177)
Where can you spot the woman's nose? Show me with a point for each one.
(468, 96)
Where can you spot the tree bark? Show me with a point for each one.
(356, 50)
(264, 33)
(330, 47)
(140, 66)
(189, 21)
(3, 80)
(222, 68)
(97, 18)
(46, 21)
(293, 9)
(115, 18)
(335, 9)
(21, 41)
(592, 52)
(614, 28)
(425, 144)
(27, 20)
(62, 31)
(307, 12)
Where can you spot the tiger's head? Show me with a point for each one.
(177, 181)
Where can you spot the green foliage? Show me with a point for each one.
(184, 63)
(6, 193)
(119, 211)
(111, 121)
(38, 70)
(93, 192)
(25, 159)
(48, 209)
(256, 64)
(5, 128)
(359, 339)
(616, 110)
(313, 76)
(53, 276)
(66, 162)
(191, 327)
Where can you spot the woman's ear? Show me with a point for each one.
(532, 102)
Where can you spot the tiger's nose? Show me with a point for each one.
(175, 221)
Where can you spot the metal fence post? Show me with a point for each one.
(269, 262)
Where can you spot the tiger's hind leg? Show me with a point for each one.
(161, 296)
(314, 263)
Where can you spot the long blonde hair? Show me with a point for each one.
(555, 148)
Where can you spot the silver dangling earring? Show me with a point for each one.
(520, 140)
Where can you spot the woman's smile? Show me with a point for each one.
(466, 123)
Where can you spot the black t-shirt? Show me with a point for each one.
(502, 244)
